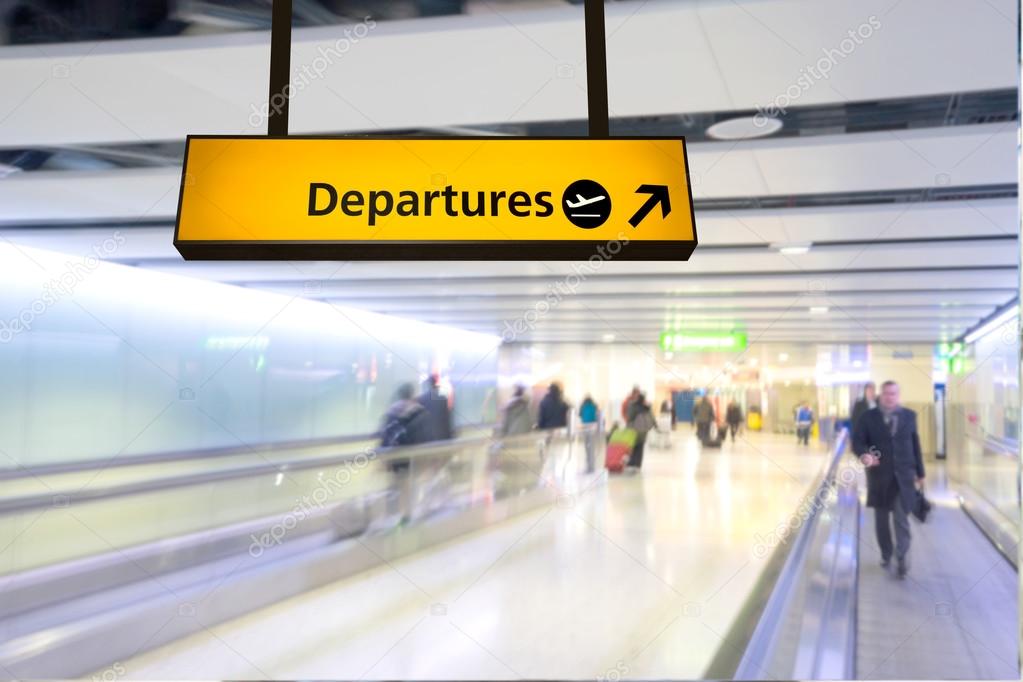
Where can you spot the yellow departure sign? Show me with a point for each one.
(462, 198)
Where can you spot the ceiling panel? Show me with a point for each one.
(877, 222)
(714, 56)
(659, 283)
(960, 155)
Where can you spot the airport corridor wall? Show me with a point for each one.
(983, 417)
(100, 360)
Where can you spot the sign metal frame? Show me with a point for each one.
(451, 250)
(277, 129)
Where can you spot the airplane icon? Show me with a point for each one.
(582, 201)
(587, 204)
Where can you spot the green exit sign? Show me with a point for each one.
(693, 341)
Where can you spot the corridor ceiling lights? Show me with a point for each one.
(819, 309)
(992, 324)
(744, 128)
(792, 248)
(608, 338)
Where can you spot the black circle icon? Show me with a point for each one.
(586, 204)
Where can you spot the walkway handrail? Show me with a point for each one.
(815, 593)
(39, 470)
(51, 499)
(1001, 446)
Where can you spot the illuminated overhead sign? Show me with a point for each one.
(419, 198)
(950, 350)
(951, 357)
(702, 341)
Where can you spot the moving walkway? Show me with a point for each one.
(826, 609)
(217, 542)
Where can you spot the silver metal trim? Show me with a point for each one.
(816, 592)
(45, 500)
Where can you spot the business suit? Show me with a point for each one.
(891, 485)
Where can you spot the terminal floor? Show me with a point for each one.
(638, 578)
(956, 616)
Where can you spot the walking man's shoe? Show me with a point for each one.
(903, 569)
(886, 562)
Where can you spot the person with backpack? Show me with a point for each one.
(804, 421)
(642, 421)
(515, 417)
(406, 422)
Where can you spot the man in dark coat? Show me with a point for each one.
(440, 427)
(886, 441)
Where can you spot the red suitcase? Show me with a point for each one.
(617, 456)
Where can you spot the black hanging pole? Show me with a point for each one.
(596, 68)
(280, 68)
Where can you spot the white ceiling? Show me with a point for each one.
(886, 272)
(930, 157)
(664, 56)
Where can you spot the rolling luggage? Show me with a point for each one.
(715, 437)
(619, 448)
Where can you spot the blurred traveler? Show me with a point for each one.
(438, 410)
(553, 409)
(867, 402)
(406, 422)
(589, 416)
(668, 409)
(629, 399)
(515, 417)
(804, 421)
(733, 417)
(642, 422)
(703, 415)
(588, 411)
(888, 444)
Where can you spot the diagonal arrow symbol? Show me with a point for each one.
(658, 195)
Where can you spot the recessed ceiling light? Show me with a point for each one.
(608, 338)
(792, 248)
(744, 128)
(783, 357)
(818, 309)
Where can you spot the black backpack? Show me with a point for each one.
(397, 429)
